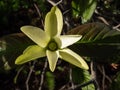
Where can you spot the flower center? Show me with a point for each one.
(52, 46)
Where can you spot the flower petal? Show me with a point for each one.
(58, 41)
(31, 53)
(53, 22)
(67, 40)
(73, 58)
(36, 34)
(52, 59)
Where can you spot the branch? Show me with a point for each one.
(70, 78)
(94, 75)
(18, 72)
(81, 85)
(29, 74)
(42, 75)
(102, 71)
(53, 3)
(39, 14)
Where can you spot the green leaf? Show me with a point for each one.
(83, 9)
(116, 83)
(50, 81)
(81, 76)
(98, 40)
(89, 87)
(11, 46)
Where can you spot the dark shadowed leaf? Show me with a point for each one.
(81, 77)
(116, 83)
(98, 40)
(11, 46)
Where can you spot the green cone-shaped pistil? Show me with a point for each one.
(52, 46)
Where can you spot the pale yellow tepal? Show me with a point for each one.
(50, 43)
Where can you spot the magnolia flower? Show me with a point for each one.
(50, 43)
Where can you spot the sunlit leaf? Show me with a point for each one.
(83, 9)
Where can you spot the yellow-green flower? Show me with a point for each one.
(50, 43)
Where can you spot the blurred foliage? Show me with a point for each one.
(83, 9)
(81, 76)
(12, 46)
(50, 80)
(112, 5)
(116, 82)
(98, 40)
(16, 13)
(9, 6)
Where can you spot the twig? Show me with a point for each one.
(117, 27)
(39, 14)
(82, 85)
(18, 72)
(102, 72)
(103, 79)
(70, 77)
(103, 19)
(29, 74)
(53, 3)
(76, 86)
(42, 75)
(37, 9)
(64, 86)
(94, 75)
(66, 11)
